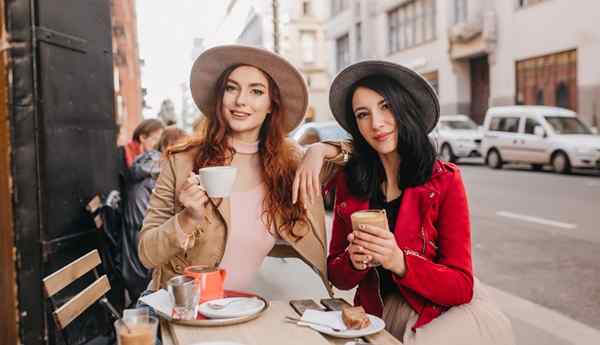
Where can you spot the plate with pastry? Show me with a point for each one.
(351, 322)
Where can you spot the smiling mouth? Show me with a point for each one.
(383, 136)
(239, 114)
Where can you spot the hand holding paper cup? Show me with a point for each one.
(218, 181)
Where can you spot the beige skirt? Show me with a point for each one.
(479, 322)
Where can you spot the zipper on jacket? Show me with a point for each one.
(424, 240)
(379, 286)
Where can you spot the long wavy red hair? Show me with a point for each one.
(278, 158)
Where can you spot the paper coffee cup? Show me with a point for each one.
(218, 181)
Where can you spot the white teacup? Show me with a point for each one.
(217, 181)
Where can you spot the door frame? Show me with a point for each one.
(9, 327)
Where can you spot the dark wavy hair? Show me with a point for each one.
(417, 153)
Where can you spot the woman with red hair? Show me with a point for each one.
(251, 99)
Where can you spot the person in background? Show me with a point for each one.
(141, 163)
(417, 274)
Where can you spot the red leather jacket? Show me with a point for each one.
(433, 231)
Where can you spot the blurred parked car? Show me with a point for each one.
(457, 136)
(539, 135)
(313, 132)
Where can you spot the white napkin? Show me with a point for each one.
(330, 318)
(160, 301)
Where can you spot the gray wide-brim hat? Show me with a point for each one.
(211, 64)
(414, 83)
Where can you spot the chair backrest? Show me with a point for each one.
(60, 279)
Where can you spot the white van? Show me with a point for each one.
(538, 135)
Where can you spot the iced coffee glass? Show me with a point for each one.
(376, 218)
(139, 331)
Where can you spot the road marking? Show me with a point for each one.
(536, 220)
(593, 184)
(548, 320)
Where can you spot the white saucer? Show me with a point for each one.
(238, 309)
(377, 325)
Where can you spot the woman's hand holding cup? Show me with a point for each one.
(194, 198)
(358, 258)
(380, 245)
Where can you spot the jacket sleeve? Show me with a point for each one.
(332, 166)
(340, 271)
(159, 240)
(449, 280)
(146, 165)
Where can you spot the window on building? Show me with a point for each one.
(539, 97)
(548, 80)
(394, 38)
(432, 78)
(358, 35)
(308, 42)
(562, 95)
(460, 11)
(411, 24)
(338, 6)
(342, 52)
(306, 8)
(525, 3)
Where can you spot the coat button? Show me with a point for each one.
(431, 195)
(178, 268)
(343, 204)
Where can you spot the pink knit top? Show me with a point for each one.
(248, 240)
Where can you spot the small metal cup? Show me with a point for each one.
(184, 292)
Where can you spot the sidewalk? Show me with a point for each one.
(533, 324)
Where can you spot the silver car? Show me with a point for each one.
(457, 136)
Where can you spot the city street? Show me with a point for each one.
(535, 239)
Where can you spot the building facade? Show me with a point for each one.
(300, 38)
(127, 69)
(479, 53)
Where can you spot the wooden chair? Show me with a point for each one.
(79, 303)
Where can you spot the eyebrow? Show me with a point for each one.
(258, 84)
(360, 108)
(365, 108)
(251, 85)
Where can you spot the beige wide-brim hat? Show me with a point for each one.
(211, 64)
(414, 83)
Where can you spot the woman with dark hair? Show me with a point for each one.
(251, 98)
(417, 275)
